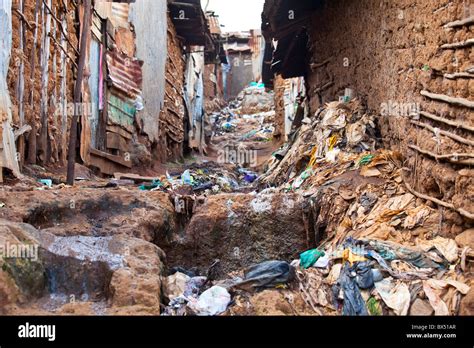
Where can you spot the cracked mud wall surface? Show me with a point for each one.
(389, 51)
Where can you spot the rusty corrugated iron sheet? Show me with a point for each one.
(120, 14)
(116, 11)
(214, 25)
(125, 73)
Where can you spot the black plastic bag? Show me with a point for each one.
(353, 303)
(267, 274)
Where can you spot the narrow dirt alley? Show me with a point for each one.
(106, 246)
(320, 165)
(136, 245)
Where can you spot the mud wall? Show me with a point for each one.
(279, 88)
(37, 89)
(388, 52)
(172, 115)
(239, 230)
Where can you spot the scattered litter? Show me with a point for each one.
(309, 258)
(267, 274)
(211, 302)
(395, 296)
(154, 185)
(47, 182)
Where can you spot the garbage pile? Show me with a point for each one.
(254, 99)
(340, 132)
(381, 248)
(191, 294)
(375, 277)
(248, 118)
(243, 128)
(205, 178)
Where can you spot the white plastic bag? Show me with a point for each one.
(212, 301)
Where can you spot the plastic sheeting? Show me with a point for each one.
(267, 274)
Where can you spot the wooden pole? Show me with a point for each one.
(21, 86)
(32, 135)
(45, 57)
(63, 88)
(86, 27)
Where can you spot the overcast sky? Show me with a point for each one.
(237, 15)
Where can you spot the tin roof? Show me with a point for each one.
(214, 25)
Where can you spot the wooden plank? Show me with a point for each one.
(21, 85)
(134, 177)
(105, 166)
(71, 156)
(119, 130)
(32, 148)
(117, 142)
(45, 57)
(113, 158)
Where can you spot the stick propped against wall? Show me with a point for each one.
(447, 99)
(459, 23)
(86, 27)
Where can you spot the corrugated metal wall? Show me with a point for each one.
(150, 21)
(8, 156)
(94, 61)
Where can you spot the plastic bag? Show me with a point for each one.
(212, 301)
(267, 274)
(309, 258)
(186, 178)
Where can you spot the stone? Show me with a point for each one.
(22, 276)
(273, 302)
(175, 285)
(123, 270)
